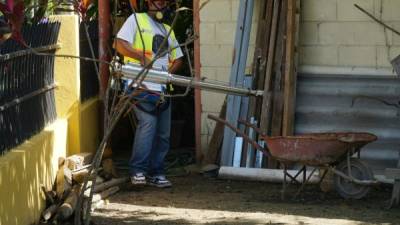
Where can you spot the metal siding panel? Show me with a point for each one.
(325, 104)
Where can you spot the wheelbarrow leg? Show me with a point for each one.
(395, 200)
(284, 182)
(305, 181)
(394, 173)
(323, 176)
(294, 178)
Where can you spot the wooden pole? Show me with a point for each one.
(197, 92)
(290, 75)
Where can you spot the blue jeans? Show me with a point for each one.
(151, 143)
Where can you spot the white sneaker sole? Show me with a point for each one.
(138, 182)
(160, 185)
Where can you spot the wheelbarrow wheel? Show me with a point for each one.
(348, 189)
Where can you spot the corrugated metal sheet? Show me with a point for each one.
(328, 103)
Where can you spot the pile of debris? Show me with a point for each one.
(62, 200)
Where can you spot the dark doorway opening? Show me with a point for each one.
(182, 140)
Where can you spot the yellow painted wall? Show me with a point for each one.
(68, 80)
(26, 167)
(90, 125)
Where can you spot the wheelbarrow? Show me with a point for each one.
(321, 151)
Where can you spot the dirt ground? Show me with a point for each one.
(198, 200)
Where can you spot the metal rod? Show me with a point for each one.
(26, 97)
(240, 133)
(377, 20)
(104, 39)
(131, 71)
(9, 56)
(354, 180)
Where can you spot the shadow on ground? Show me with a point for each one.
(198, 200)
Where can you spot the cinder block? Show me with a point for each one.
(383, 58)
(225, 32)
(212, 101)
(216, 11)
(348, 12)
(207, 33)
(216, 55)
(235, 9)
(385, 55)
(223, 74)
(319, 55)
(319, 10)
(371, 33)
(335, 33)
(395, 37)
(352, 33)
(209, 72)
(390, 10)
(309, 33)
(364, 56)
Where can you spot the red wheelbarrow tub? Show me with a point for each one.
(316, 149)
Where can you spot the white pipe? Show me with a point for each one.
(267, 175)
(343, 70)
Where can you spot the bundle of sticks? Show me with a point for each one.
(61, 200)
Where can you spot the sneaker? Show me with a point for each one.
(159, 181)
(138, 179)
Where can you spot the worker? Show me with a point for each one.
(145, 33)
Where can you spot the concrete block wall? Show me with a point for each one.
(335, 33)
(217, 34)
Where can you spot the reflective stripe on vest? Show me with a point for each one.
(146, 38)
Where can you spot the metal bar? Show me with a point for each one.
(354, 180)
(252, 142)
(250, 150)
(131, 71)
(305, 181)
(242, 38)
(26, 97)
(104, 39)
(20, 53)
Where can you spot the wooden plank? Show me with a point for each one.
(216, 139)
(105, 194)
(277, 105)
(290, 74)
(265, 116)
(110, 183)
(276, 77)
(69, 205)
(262, 62)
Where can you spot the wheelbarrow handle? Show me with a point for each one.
(256, 129)
(240, 133)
